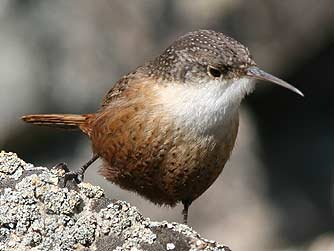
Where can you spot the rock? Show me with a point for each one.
(36, 213)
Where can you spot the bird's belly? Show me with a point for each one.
(160, 161)
(195, 168)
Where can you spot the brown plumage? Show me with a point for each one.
(167, 129)
(65, 121)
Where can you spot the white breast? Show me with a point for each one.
(204, 107)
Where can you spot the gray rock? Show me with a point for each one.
(36, 213)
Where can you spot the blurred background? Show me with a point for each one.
(276, 192)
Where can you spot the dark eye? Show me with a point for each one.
(214, 72)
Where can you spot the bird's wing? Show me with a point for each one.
(119, 87)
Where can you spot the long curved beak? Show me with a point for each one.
(257, 73)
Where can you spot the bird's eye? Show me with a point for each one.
(214, 72)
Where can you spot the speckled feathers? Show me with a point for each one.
(167, 129)
(196, 50)
(186, 61)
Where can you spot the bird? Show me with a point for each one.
(167, 129)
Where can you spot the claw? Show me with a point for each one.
(62, 166)
(77, 176)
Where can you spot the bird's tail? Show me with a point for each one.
(64, 121)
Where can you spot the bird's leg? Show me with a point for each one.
(77, 175)
(186, 205)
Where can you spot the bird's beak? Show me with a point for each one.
(257, 73)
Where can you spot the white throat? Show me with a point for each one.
(204, 107)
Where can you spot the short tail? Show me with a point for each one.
(64, 121)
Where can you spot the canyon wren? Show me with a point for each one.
(166, 130)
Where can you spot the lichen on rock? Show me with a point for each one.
(36, 213)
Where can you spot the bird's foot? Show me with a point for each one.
(77, 176)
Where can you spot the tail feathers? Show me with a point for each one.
(65, 121)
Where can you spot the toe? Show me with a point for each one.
(62, 166)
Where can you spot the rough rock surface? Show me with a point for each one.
(36, 213)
